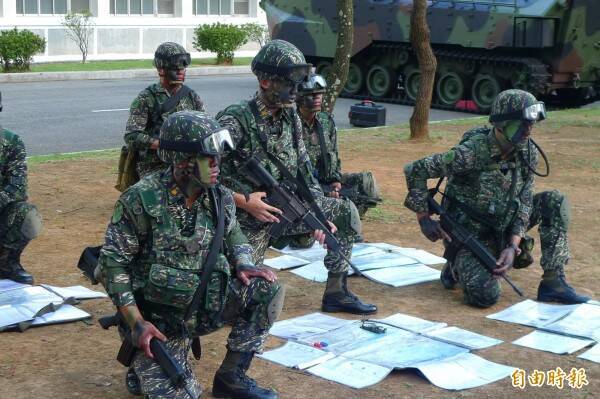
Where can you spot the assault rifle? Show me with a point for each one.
(293, 209)
(463, 236)
(171, 368)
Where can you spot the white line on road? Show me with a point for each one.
(111, 110)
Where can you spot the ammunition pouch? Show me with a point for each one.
(127, 173)
(525, 259)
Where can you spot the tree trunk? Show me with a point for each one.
(421, 42)
(341, 61)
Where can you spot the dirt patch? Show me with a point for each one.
(78, 360)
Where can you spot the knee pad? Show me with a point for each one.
(276, 305)
(355, 222)
(32, 223)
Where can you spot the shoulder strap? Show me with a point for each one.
(172, 101)
(299, 181)
(322, 146)
(211, 258)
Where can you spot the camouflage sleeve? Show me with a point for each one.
(521, 223)
(336, 172)
(121, 247)
(460, 159)
(239, 251)
(139, 114)
(198, 103)
(14, 173)
(230, 162)
(304, 165)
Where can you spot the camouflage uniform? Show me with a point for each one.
(142, 127)
(360, 188)
(494, 199)
(152, 257)
(20, 221)
(283, 141)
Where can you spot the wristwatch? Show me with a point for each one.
(515, 247)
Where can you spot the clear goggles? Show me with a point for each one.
(534, 113)
(294, 73)
(214, 144)
(313, 83)
(218, 142)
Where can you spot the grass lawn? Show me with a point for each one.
(120, 64)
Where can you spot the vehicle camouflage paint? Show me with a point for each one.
(548, 47)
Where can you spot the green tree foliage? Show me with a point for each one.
(79, 29)
(17, 48)
(257, 33)
(222, 39)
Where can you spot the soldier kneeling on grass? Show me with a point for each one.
(490, 192)
(160, 247)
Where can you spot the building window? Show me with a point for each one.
(51, 7)
(220, 7)
(142, 7)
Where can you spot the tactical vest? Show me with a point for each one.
(323, 168)
(172, 263)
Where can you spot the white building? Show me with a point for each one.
(126, 29)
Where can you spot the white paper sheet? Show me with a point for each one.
(402, 349)
(403, 275)
(531, 313)
(583, 321)
(361, 249)
(314, 271)
(463, 371)
(307, 325)
(380, 260)
(555, 343)
(64, 314)
(353, 373)
(592, 354)
(421, 256)
(316, 252)
(466, 339)
(593, 302)
(76, 291)
(6, 285)
(21, 304)
(284, 262)
(412, 323)
(297, 355)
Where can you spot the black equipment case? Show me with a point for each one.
(367, 114)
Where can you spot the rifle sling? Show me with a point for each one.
(168, 105)
(323, 148)
(300, 183)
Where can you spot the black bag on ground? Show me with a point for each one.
(367, 114)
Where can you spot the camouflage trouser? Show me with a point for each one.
(361, 188)
(247, 309)
(551, 212)
(20, 222)
(337, 211)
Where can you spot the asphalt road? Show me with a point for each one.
(67, 116)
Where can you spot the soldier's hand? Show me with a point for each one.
(142, 333)
(432, 229)
(260, 209)
(504, 262)
(244, 274)
(154, 144)
(335, 189)
(320, 236)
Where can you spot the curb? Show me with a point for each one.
(120, 74)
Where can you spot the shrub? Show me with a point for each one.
(219, 38)
(17, 49)
(257, 32)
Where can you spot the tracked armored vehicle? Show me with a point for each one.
(548, 47)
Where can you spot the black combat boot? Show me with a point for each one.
(231, 380)
(447, 277)
(338, 298)
(10, 266)
(132, 382)
(554, 288)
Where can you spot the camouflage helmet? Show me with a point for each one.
(280, 59)
(516, 105)
(170, 55)
(185, 134)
